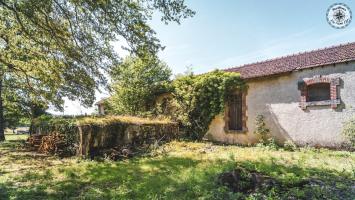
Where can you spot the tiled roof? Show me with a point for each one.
(316, 58)
(102, 101)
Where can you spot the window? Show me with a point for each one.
(235, 112)
(319, 92)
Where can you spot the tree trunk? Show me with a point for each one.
(2, 132)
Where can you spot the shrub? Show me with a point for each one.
(269, 144)
(260, 128)
(349, 131)
(289, 145)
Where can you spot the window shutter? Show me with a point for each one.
(235, 112)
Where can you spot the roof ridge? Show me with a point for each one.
(291, 55)
(302, 60)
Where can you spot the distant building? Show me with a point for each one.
(101, 106)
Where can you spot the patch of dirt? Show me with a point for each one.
(244, 181)
(241, 180)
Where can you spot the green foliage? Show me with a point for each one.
(194, 102)
(19, 110)
(349, 131)
(136, 84)
(198, 99)
(261, 129)
(269, 144)
(14, 116)
(82, 31)
(61, 48)
(289, 145)
(49, 122)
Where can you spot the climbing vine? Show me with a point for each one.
(198, 99)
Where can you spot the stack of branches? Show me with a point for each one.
(53, 143)
(116, 153)
(127, 151)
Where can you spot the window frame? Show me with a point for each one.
(243, 112)
(306, 82)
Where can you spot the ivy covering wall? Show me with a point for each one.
(198, 99)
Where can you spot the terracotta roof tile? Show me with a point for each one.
(316, 58)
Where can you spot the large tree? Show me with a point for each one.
(20, 105)
(136, 82)
(58, 48)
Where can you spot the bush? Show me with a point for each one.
(269, 144)
(349, 131)
(289, 145)
(261, 129)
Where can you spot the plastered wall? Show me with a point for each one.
(277, 98)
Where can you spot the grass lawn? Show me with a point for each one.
(178, 170)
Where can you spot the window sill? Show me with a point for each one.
(244, 131)
(320, 103)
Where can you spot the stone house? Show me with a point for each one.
(304, 98)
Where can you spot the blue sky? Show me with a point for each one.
(227, 33)
(233, 32)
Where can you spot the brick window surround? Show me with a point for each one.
(333, 82)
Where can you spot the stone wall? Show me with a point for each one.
(97, 134)
(278, 99)
(95, 138)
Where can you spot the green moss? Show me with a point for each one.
(107, 120)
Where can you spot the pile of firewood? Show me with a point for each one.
(53, 143)
(35, 141)
(50, 144)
